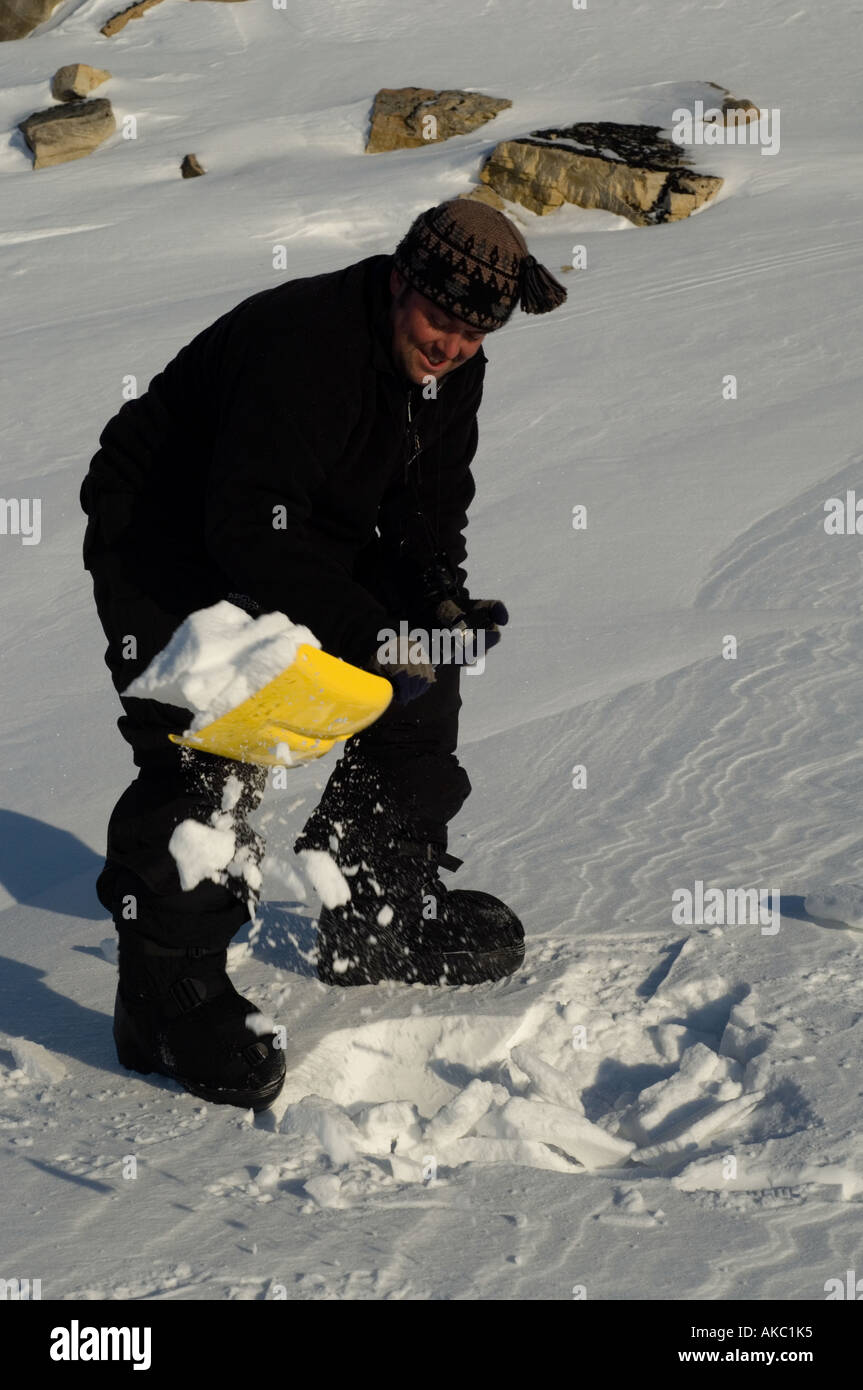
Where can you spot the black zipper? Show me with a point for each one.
(414, 447)
(412, 452)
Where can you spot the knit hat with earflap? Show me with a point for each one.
(474, 264)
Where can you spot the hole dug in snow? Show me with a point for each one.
(384, 1089)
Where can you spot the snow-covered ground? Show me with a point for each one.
(653, 1108)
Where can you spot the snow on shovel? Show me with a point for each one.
(261, 689)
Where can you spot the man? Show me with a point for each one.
(309, 452)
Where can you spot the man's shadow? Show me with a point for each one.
(30, 1009)
(52, 869)
(39, 862)
(286, 937)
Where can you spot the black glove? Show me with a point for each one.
(465, 614)
(409, 679)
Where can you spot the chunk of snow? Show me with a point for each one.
(552, 1124)
(776, 1164)
(391, 1127)
(524, 1153)
(719, 1117)
(260, 1024)
(200, 851)
(34, 1060)
(326, 1189)
(326, 877)
(219, 657)
(326, 1122)
(406, 1169)
(231, 792)
(459, 1114)
(668, 1104)
(108, 947)
(267, 1176)
(244, 866)
(547, 1081)
(671, 1040)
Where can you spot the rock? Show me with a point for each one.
(122, 17)
(18, 18)
(69, 131)
(729, 105)
(733, 110)
(630, 170)
(739, 111)
(191, 167)
(483, 194)
(76, 80)
(400, 116)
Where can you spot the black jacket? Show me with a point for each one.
(289, 401)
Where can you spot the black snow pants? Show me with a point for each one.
(412, 747)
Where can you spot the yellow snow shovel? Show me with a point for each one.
(316, 702)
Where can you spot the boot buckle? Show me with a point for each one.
(188, 994)
(429, 851)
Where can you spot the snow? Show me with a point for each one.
(649, 1109)
(32, 1061)
(219, 657)
(842, 903)
(325, 877)
(200, 851)
(541, 1120)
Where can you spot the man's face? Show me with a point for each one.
(426, 340)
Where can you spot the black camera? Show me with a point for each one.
(440, 580)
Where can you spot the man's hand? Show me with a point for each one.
(409, 679)
(467, 615)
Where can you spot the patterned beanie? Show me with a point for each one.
(473, 263)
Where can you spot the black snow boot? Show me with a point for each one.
(402, 923)
(177, 1013)
(386, 913)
